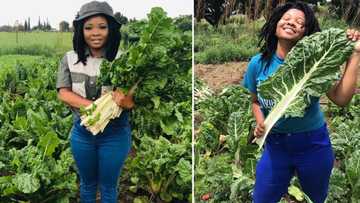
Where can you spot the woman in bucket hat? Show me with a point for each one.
(99, 159)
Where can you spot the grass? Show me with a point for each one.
(35, 43)
(235, 41)
(38, 43)
(11, 60)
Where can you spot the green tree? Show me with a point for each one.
(25, 26)
(28, 24)
(39, 26)
(121, 18)
(64, 26)
(47, 25)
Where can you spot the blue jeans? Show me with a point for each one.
(99, 159)
(309, 154)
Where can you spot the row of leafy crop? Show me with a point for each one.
(344, 124)
(36, 163)
(225, 163)
(35, 160)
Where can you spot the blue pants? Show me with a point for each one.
(309, 154)
(99, 160)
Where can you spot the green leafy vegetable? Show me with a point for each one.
(310, 69)
(150, 59)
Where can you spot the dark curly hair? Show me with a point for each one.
(111, 45)
(268, 40)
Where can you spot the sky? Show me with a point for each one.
(58, 10)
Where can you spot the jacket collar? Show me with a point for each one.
(88, 53)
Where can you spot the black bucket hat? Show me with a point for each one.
(94, 8)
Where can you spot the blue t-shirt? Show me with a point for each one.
(255, 73)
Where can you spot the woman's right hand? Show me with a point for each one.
(259, 130)
(122, 100)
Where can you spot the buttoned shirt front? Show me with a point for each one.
(80, 78)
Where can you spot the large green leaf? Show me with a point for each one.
(184, 170)
(6, 186)
(353, 172)
(310, 69)
(49, 142)
(234, 131)
(26, 183)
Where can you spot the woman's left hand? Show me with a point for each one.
(122, 100)
(342, 92)
(354, 35)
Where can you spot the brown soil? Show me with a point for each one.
(217, 76)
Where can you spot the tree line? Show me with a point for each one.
(45, 26)
(217, 11)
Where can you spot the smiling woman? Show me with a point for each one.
(48, 149)
(95, 33)
(89, 81)
(291, 26)
(298, 144)
(99, 159)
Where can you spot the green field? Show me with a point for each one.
(36, 164)
(11, 60)
(35, 43)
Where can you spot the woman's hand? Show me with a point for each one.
(259, 130)
(354, 35)
(259, 117)
(122, 100)
(342, 92)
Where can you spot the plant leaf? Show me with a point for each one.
(49, 142)
(296, 192)
(26, 183)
